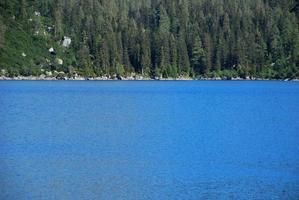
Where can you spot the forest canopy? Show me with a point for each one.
(153, 38)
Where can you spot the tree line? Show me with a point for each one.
(153, 38)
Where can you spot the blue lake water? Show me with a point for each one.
(149, 140)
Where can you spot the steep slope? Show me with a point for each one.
(170, 38)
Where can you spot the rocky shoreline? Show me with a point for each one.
(79, 78)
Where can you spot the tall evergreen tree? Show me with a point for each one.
(198, 57)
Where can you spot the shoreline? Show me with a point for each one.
(41, 78)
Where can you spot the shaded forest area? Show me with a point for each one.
(152, 38)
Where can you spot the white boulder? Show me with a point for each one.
(3, 71)
(66, 41)
(59, 61)
(42, 76)
(36, 13)
(51, 50)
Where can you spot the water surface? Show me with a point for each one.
(149, 140)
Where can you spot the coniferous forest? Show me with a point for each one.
(150, 38)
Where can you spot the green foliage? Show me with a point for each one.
(198, 59)
(202, 38)
(120, 70)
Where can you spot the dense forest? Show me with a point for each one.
(150, 38)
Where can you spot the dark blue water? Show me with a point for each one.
(149, 140)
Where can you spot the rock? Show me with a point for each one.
(104, 78)
(59, 61)
(237, 79)
(97, 78)
(130, 78)
(80, 78)
(49, 74)
(66, 42)
(42, 76)
(23, 54)
(61, 76)
(139, 77)
(113, 77)
(51, 50)
(55, 73)
(75, 75)
(36, 13)
(3, 72)
(50, 29)
(119, 77)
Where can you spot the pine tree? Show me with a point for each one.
(145, 54)
(183, 58)
(2, 34)
(58, 18)
(84, 57)
(198, 60)
(23, 9)
(208, 53)
(173, 69)
(104, 57)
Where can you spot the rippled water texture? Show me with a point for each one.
(149, 140)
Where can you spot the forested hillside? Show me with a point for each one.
(152, 38)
